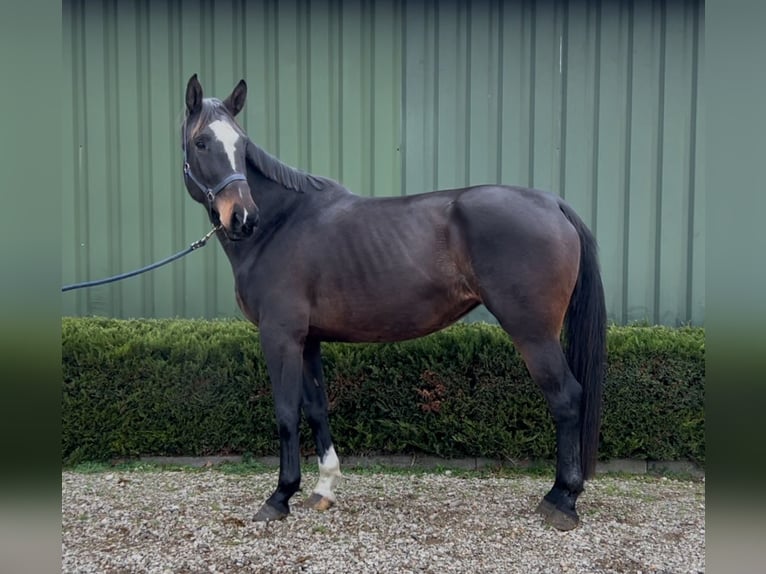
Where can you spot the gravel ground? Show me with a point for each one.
(173, 521)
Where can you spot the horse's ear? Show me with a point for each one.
(193, 95)
(236, 100)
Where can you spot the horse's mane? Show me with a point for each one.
(271, 167)
(281, 173)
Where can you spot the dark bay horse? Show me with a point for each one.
(313, 262)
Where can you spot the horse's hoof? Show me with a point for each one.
(318, 502)
(545, 508)
(562, 520)
(268, 513)
(559, 519)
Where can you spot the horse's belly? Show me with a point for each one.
(392, 317)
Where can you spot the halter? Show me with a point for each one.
(210, 192)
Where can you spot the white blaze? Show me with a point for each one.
(228, 136)
(329, 472)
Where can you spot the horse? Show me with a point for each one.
(314, 262)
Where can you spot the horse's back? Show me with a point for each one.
(526, 210)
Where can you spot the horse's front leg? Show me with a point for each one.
(315, 409)
(284, 359)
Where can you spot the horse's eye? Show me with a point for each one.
(200, 144)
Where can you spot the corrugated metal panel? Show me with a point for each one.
(599, 102)
(324, 95)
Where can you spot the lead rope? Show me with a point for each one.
(193, 247)
(210, 194)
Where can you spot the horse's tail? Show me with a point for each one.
(585, 334)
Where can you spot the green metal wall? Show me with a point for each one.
(600, 102)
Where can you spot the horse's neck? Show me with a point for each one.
(274, 201)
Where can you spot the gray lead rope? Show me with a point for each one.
(193, 247)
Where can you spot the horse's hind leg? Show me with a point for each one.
(548, 367)
(315, 410)
(535, 333)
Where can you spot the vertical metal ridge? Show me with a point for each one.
(243, 19)
(399, 77)
(660, 163)
(209, 33)
(370, 114)
(435, 109)
(628, 166)
(174, 72)
(172, 66)
(499, 80)
(335, 88)
(236, 45)
(206, 38)
(468, 72)
(211, 43)
(243, 32)
(145, 239)
(340, 97)
(80, 152)
(563, 88)
(84, 158)
(596, 123)
(181, 85)
(301, 85)
(108, 168)
(308, 90)
(274, 37)
(300, 82)
(111, 97)
(149, 143)
(209, 278)
(532, 75)
(333, 64)
(402, 101)
(692, 160)
(269, 92)
(525, 60)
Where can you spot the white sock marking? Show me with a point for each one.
(228, 136)
(329, 473)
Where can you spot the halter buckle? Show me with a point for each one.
(201, 242)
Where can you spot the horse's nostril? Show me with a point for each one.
(241, 224)
(247, 227)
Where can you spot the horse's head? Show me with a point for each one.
(214, 159)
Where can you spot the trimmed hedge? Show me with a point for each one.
(197, 387)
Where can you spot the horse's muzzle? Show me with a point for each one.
(242, 223)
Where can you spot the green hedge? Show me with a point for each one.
(194, 387)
